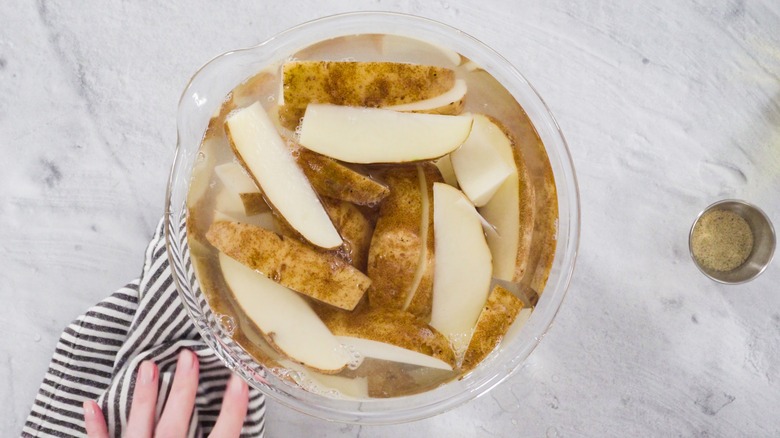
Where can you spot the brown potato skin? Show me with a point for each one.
(330, 178)
(319, 275)
(499, 313)
(422, 300)
(354, 228)
(395, 248)
(369, 84)
(394, 327)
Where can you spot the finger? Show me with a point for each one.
(141, 422)
(94, 421)
(234, 405)
(181, 399)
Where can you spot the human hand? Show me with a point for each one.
(175, 418)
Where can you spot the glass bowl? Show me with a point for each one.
(203, 96)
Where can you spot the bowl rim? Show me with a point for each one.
(568, 253)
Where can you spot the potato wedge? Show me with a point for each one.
(335, 180)
(499, 312)
(511, 212)
(369, 84)
(394, 327)
(322, 276)
(354, 228)
(400, 258)
(420, 301)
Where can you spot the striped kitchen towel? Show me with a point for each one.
(98, 355)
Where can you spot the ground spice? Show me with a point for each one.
(722, 240)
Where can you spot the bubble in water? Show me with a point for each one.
(226, 324)
(37, 338)
(212, 184)
(354, 358)
(552, 432)
(271, 98)
(514, 422)
(297, 132)
(200, 157)
(372, 204)
(555, 378)
(276, 276)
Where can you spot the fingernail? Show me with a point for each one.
(236, 384)
(146, 372)
(89, 410)
(186, 361)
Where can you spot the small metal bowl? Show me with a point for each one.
(763, 243)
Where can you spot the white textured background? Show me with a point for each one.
(667, 107)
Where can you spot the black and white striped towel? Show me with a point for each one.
(98, 355)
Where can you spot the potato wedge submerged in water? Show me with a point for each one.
(394, 327)
(375, 135)
(322, 276)
(262, 152)
(400, 258)
(499, 312)
(366, 84)
(290, 325)
(511, 211)
(462, 268)
(335, 180)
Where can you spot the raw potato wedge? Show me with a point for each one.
(400, 259)
(377, 135)
(354, 228)
(334, 180)
(235, 179)
(451, 102)
(495, 319)
(319, 275)
(261, 150)
(366, 84)
(511, 212)
(462, 271)
(394, 327)
(420, 301)
(392, 353)
(478, 165)
(404, 49)
(290, 325)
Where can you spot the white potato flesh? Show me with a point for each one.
(375, 135)
(478, 164)
(463, 265)
(392, 353)
(456, 93)
(503, 213)
(235, 178)
(284, 184)
(404, 49)
(284, 317)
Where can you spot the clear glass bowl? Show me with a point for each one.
(204, 95)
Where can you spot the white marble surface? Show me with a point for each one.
(667, 107)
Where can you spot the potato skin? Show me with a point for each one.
(370, 84)
(499, 313)
(330, 178)
(422, 300)
(319, 275)
(394, 327)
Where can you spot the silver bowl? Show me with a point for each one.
(763, 243)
